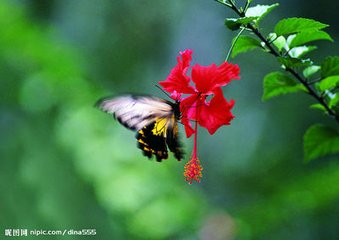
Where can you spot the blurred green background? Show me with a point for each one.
(66, 165)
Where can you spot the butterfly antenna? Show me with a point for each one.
(162, 90)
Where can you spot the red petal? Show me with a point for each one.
(188, 110)
(188, 127)
(203, 77)
(226, 73)
(186, 56)
(207, 78)
(175, 95)
(216, 113)
(177, 80)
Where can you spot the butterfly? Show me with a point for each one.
(154, 119)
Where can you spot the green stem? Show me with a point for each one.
(223, 2)
(233, 44)
(314, 81)
(246, 6)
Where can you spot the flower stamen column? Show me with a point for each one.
(193, 168)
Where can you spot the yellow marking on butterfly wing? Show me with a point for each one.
(142, 142)
(160, 126)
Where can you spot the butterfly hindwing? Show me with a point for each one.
(154, 119)
(152, 144)
(172, 140)
(153, 138)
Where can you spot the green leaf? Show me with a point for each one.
(244, 44)
(235, 23)
(330, 67)
(319, 141)
(309, 36)
(329, 83)
(294, 25)
(280, 43)
(277, 83)
(318, 106)
(334, 101)
(260, 11)
(309, 71)
(294, 62)
(298, 52)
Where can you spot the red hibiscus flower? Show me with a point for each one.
(205, 104)
(212, 113)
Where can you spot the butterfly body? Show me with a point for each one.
(154, 119)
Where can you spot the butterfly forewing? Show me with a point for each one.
(154, 118)
(135, 112)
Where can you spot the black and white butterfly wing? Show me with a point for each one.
(154, 119)
(135, 112)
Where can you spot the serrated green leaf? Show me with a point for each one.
(309, 36)
(329, 83)
(260, 11)
(294, 62)
(294, 25)
(309, 71)
(318, 106)
(244, 44)
(320, 141)
(235, 23)
(330, 67)
(277, 83)
(298, 52)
